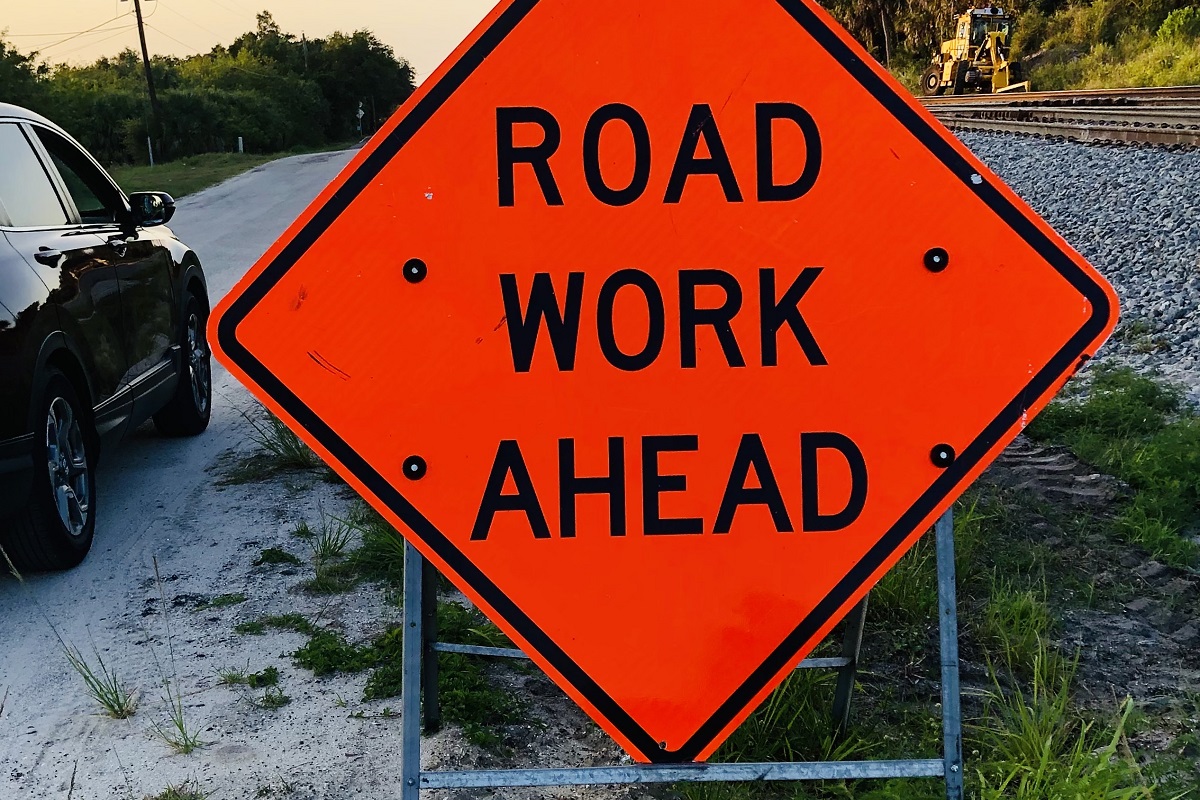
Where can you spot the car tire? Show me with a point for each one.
(188, 411)
(54, 531)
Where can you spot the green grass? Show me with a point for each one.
(1089, 44)
(1025, 738)
(1137, 429)
(252, 627)
(1028, 742)
(1040, 748)
(103, 685)
(296, 623)
(277, 449)
(223, 601)
(191, 174)
(263, 678)
(333, 572)
(274, 556)
(272, 698)
(184, 791)
(283, 446)
(1015, 625)
(468, 695)
(380, 556)
(188, 175)
(328, 652)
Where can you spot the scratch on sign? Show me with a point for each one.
(322, 362)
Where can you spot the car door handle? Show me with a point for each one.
(48, 256)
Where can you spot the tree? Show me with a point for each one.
(20, 77)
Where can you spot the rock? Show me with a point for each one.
(1188, 635)
(1151, 571)
(1139, 606)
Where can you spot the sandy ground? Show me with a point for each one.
(158, 500)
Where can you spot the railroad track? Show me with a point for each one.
(1165, 115)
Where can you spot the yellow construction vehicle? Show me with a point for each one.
(976, 59)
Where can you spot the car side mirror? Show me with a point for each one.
(151, 208)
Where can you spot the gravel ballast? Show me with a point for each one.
(1134, 213)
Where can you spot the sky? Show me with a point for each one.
(79, 31)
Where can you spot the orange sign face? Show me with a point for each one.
(663, 329)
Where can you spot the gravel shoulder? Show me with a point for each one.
(1134, 213)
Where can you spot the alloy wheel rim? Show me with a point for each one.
(198, 363)
(66, 458)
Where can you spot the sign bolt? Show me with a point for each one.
(942, 455)
(937, 259)
(414, 468)
(415, 270)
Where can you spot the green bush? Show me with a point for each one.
(1181, 24)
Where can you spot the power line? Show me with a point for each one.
(187, 18)
(159, 30)
(43, 35)
(124, 30)
(83, 32)
(239, 14)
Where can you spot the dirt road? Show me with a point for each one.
(157, 499)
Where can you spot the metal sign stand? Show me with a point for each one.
(420, 672)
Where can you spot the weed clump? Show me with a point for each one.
(184, 791)
(296, 623)
(327, 652)
(103, 685)
(223, 601)
(274, 555)
(1038, 746)
(333, 572)
(1015, 624)
(283, 446)
(272, 698)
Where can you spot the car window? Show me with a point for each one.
(25, 188)
(93, 193)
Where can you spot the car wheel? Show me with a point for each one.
(55, 530)
(188, 412)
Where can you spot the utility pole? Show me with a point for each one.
(155, 111)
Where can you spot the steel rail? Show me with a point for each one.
(1167, 115)
(1078, 131)
(1157, 115)
(1139, 96)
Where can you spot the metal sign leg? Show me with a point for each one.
(430, 705)
(851, 648)
(421, 648)
(948, 626)
(410, 681)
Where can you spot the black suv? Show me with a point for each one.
(102, 317)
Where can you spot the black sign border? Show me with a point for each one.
(1064, 362)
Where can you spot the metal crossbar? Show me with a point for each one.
(420, 671)
(672, 773)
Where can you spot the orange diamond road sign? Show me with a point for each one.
(663, 329)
